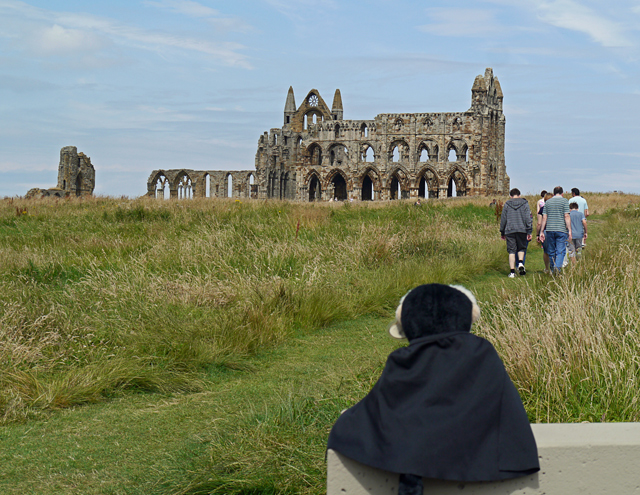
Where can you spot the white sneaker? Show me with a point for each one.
(512, 275)
(521, 269)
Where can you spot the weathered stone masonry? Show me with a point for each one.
(317, 155)
(76, 176)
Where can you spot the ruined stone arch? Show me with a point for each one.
(313, 185)
(451, 147)
(398, 183)
(338, 155)
(370, 183)
(460, 148)
(422, 152)
(364, 130)
(183, 185)
(229, 185)
(314, 155)
(200, 183)
(463, 152)
(160, 185)
(428, 183)
(364, 152)
(250, 186)
(337, 184)
(427, 150)
(458, 179)
(403, 151)
(312, 117)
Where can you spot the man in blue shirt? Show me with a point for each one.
(580, 201)
(578, 232)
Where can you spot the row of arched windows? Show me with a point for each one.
(184, 186)
(427, 187)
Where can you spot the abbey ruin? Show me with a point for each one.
(76, 176)
(317, 155)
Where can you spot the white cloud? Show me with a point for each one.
(602, 22)
(569, 14)
(461, 22)
(195, 9)
(60, 29)
(187, 7)
(57, 40)
(302, 10)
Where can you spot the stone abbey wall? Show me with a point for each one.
(317, 155)
(76, 176)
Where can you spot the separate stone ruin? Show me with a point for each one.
(317, 155)
(76, 176)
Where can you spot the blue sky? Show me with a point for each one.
(144, 84)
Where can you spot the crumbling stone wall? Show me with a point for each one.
(76, 176)
(185, 184)
(317, 155)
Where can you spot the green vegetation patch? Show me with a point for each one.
(212, 350)
(156, 292)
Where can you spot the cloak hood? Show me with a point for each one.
(444, 406)
(428, 309)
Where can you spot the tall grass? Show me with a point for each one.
(571, 343)
(102, 295)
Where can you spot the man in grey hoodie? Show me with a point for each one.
(516, 225)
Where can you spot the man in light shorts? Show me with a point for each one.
(578, 232)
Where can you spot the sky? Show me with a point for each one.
(139, 85)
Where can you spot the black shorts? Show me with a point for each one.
(516, 242)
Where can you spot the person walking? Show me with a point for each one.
(542, 200)
(583, 207)
(545, 255)
(556, 228)
(516, 227)
(578, 232)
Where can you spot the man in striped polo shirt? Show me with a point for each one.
(556, 228)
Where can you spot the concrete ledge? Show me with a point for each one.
(575, 459)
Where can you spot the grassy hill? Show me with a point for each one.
(207, 346)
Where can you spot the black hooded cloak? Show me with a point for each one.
(445, 408)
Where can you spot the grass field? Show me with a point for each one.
(208, 346)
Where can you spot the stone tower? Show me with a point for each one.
(76, 175)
